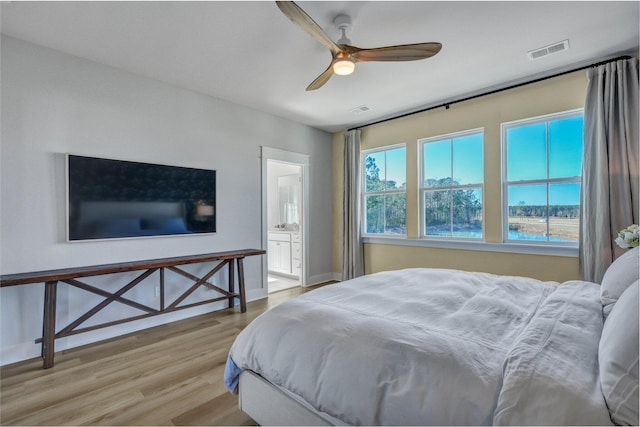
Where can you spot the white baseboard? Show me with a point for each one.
(321, 278)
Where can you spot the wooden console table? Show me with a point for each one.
(70, 276)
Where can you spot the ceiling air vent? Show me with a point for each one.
(360, 109)
(548, 50)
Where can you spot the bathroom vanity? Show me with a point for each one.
(284, 252)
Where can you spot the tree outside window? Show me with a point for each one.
(385, 200)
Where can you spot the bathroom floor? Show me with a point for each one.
(279, 283)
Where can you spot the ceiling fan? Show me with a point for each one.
(344, 55)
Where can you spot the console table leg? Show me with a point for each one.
(49, 323)
(243, 298)
(232, 280)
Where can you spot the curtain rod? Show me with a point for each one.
(447, 104)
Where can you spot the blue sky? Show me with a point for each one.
(527, 160)
(468, 163)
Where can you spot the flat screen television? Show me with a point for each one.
(111, 199)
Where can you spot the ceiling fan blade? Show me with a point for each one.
(406, 52)
(304, 21)
(321, 79)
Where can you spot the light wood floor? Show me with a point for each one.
(167, 375)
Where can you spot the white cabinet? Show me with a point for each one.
(283, 253)
(295, 254)
(279, 252)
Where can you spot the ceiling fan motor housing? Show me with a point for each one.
(343, 25)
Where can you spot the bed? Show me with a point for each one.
(445, 347)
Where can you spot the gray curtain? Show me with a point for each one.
(352, 246)
(610, 178)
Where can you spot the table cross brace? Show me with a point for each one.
(71, 329)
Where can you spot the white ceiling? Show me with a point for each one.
(249, 53)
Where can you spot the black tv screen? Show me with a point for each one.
(109, 199)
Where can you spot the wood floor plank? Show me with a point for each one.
(162, 407)
(221, 408)
(167, 375)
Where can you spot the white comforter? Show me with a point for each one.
(438, 347)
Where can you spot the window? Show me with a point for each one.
(542, 173)
(452, 183)
(385, 196)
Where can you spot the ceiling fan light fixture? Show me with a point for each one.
(344, 66)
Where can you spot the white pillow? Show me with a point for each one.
(623, 272)
(618, 358)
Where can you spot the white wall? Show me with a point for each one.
(54, 103)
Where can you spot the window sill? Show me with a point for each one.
(522, 248)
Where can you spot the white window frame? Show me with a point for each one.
(422, 189)
(504, 127)
(364, 194)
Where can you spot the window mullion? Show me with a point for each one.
(384, 197)
(546, 134)
(451, 191)
(545, 181)
(382, 193)
(384, 213)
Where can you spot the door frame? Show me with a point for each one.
(302, 160)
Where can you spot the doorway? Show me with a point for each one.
(285, 225)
